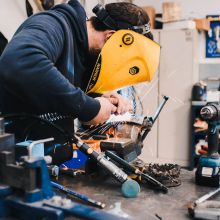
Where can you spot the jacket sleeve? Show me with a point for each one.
(28, 70)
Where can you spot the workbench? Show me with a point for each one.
(170, 206)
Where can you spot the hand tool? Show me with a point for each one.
(136, 171)
(78, 195)
(207, 172)
(203, 209)
(130, 188)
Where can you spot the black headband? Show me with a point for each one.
(106, 19)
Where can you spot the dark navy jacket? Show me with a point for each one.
(44, 65)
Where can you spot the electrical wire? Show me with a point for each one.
(68, 136)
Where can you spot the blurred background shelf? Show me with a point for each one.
(209, 61)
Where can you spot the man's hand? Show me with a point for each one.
(123, 105)
(107, 108)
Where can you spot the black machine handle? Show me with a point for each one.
(213, 134)
(154, 118)
(136, 171)
(159, 109)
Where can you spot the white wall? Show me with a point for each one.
(190, 8)
(12, 14)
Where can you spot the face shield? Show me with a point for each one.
(126, 59)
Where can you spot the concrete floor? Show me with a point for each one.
(149, 203)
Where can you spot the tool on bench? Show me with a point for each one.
(26, 192)
(203, 209)
(208, 169)
(130, 188)
(129, 148)
(127, 143)
(78, 195)
(136, 171)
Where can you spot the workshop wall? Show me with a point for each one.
(190, 8)
(12, 14)
(208, 67)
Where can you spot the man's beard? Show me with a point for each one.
(94, 52)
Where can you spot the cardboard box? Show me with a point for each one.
(151, 13)
(202, 24)
(171, 12)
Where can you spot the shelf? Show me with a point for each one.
(199, 103)
(210, 61)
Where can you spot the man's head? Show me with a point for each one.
(122, 15)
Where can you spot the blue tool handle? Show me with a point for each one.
(78, 195)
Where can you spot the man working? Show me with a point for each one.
(44, 67)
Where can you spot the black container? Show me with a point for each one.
(199, 92)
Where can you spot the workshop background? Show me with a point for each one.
(183, 63)
(188, 73)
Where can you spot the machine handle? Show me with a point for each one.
(154, 118)
(136, 171)
(159, 109)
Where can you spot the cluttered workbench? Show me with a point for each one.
(149, 205)
(120, 183)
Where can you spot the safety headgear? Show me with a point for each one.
(127, 58)
(106, 19)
